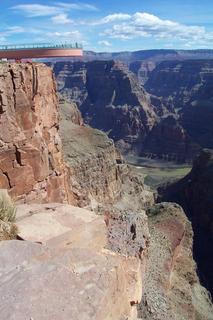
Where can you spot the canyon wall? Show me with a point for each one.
(169, 118)
(194, 193)
(31, 161)
(98, 175)
(88, 266)
(186, 90)
(110, 98)
(171, 286)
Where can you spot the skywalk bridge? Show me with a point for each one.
(39, 51)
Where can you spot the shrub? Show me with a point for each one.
(7, 207)
(8, 231)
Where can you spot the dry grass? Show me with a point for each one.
(7, 207)
(8, 230)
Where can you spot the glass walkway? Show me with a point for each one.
(40, 46)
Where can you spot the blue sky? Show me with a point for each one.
(107, 25)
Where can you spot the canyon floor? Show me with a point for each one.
(156, 171)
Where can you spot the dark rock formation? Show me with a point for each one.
(194, 193)
(110, 98)
(186, 91)
(170, 141)
(173, 121)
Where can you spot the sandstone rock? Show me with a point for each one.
(75, 275)
(31, 162)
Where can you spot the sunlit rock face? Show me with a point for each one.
(98, 174)
(66, 258)
(31, 162)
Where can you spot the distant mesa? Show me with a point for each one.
(44, 50)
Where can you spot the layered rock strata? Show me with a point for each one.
(109, 97)
(186, 90)
(31, 161)
(98, 175)
(175, 104)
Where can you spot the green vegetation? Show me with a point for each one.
(157, 176)
(157, 172)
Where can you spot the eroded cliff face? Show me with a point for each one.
(186, 90)
(171, 286)
(99, 177)
(110, 98)
(31, 161)
(194, 193)
(91, 267)
(175, 103)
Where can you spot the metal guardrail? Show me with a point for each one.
(41, 46)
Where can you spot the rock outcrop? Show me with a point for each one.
(72, 273)
(171, 286)
(194, 194)
(31, 161)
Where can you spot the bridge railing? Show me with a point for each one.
(40, 46)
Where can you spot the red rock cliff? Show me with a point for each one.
(31, 162)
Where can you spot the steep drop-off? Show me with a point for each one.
(194, 193)
(171, 286)
(72, 263)
(171, 119)
(31, 161)
(98, 174)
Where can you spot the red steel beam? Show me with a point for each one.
(40, 53)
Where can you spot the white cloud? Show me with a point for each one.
(105, 43)
(37, 10)
(40, 10)
(11, 30)
(112, 18)
(77, 6)
(61, 18)
(71, 36)
(142, 24)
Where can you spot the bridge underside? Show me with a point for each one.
(40, 53)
